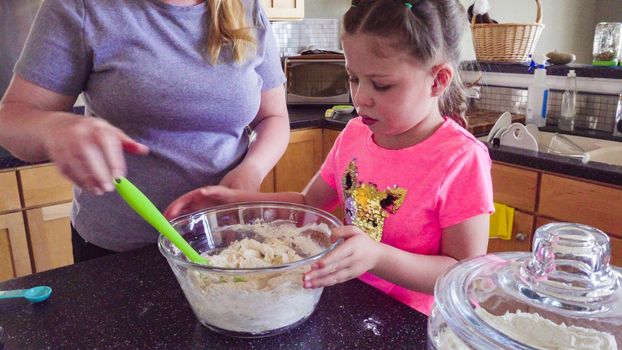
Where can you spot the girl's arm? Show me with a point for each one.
(317, 194)
(271, 126)
(420, 272)
(359, 254)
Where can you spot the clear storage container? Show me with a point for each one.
(607, 44)
(564, 295)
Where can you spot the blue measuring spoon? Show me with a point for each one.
(34, 294)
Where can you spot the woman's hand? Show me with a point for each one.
(200, 198)
(243, 177)
(350, 259)
(89, 151)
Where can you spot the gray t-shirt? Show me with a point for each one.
(141, 68)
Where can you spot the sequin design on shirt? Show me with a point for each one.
(365, 206)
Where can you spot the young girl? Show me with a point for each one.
(415, 185)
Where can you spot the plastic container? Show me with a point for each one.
(538, 93)
(243, 301)
(564, 295)
(569, 103)
(607, 44)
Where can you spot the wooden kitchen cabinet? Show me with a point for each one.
(587, 203)
(14, 257)
(50, 236)
(299, 163)
(44, 185)
(9, 192)
(522, 235)
(514, 186)
(282, 10)
(35, 204)
(328, 140)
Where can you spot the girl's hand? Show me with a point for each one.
(355, 256)
(89, 151)
(200, 198)
(243, 177)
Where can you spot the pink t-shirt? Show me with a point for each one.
(404, 198)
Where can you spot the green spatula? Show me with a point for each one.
(143, 206)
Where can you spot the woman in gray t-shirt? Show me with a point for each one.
(168, 96)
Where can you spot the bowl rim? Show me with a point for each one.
(251, 270)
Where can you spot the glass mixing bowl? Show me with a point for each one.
(236, 297)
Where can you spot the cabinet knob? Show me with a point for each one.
(521, 237)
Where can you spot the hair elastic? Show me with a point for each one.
(409, 5)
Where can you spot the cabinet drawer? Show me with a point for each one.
(522, 233)
(515, 187)
(9, 192)
(577, 201)
(44, 185)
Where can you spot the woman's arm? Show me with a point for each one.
(271, 125)
(359, 254)
(35, 126)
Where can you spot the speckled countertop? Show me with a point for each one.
(133, 301)
(480, 123)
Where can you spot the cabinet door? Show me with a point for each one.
(578, 201)
(44, 185)
(328, 140)
(50, 236)
(301, 161)
(9, 192)
(268, 183)
(14, 256)
(616, 251)
(514, 186)
(522, 233)
(284, 9)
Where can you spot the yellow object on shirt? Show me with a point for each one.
(501, 222)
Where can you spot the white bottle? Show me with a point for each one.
(538, 93)
(569, 101)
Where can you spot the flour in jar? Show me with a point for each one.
(534, 330)
(259, 301)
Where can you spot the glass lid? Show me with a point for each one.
(564, 295)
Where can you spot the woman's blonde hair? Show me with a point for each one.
(227, 26)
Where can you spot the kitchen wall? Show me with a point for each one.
(569, 24)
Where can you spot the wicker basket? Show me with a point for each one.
(506, 42)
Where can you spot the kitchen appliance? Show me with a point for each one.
(564, 295)
(317, 79)
(259, 252)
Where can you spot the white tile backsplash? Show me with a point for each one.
(293, 37)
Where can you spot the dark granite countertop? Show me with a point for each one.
(133, 301)
(312, 116)
(582, 70)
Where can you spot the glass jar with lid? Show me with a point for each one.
(564, 295)
(607, 44)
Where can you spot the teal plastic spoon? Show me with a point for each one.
(34, 294)
(143, 206)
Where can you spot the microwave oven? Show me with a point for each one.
(317, 79)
